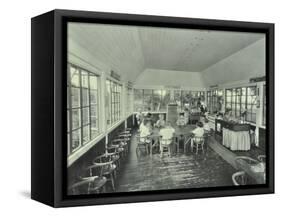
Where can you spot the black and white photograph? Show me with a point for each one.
(157, 108)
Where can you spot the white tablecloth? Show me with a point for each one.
(239, 140)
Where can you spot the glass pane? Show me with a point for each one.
(75, 78)
(84, 77)
(76, 121)
(238, 91)
(94, 133)
(85, 97)
(76, 139)
(93, 82)
(147, 100)
(94, 110)
(243, 99)
(86, 134)
(228, 92)
(177, 95)
(86, 119)
(244, 91)
(156, 100)
(165, 100)
(75, 97)
(228, 106)
(94, 123)
(252, 91)
(94, 96)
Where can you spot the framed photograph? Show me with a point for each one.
(135, 108)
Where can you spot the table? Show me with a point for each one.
(180, 133)
(255, 170)
(235, 136)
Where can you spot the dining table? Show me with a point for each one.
(182, 133)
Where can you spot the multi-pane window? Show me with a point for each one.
(242, 101)
(82, 107)
(129, 105)
(214, 100)
(157, 100)
(113, 102)
(151, 100)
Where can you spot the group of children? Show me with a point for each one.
(166, 131)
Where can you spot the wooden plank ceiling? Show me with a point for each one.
(129, 50)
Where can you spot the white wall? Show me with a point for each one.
(159, 78)
(251, 64)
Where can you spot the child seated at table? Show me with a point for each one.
(181, 120)
(206, 125)
(161, 122)
(145, 131)
(198, 133)
(166, 134)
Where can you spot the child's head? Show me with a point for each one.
(199, 124)
(168, 123)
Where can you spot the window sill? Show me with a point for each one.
(82, 150)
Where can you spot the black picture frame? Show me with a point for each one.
(48, 69)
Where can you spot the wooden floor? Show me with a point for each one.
(180, 171)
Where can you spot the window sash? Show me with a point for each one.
(84, 86)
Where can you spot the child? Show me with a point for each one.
(206, 126)
(181, 120)
(145, 132)
(198, 133)
(161, 122)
